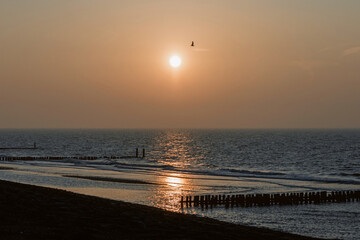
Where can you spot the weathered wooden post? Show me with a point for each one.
(348, 196)
(332, 197)
(143, 152)
(201, 200)
(257, 200)
(323, 196)
(195, 202)
(340, 196)
(289, 198)
(352, 196)
(264, 199)
(357, 195)
(248, 200)
(318, 198)
(336, 196)
(227, 201)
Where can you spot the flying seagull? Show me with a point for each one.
(192, 43)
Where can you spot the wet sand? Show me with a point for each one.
(7, 168)
(31, 212)
(108, 179)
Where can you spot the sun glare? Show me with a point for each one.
(175, 61)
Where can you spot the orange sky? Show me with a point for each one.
(104, 64)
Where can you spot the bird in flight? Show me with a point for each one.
(192, 43)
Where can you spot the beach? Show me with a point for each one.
(32, 212)
(181, 163)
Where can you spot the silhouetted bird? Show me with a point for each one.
(192, 44)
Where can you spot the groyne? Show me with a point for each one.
(30, 158)
(252, 200)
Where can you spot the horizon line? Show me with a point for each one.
(188, 128)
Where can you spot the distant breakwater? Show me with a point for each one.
(30, 158)
(63, 157)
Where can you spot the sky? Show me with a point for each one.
(105, 64)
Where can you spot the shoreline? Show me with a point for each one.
(109, 179)
(33, 212)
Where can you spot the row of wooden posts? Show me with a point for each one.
(251, 200)
(72, 157)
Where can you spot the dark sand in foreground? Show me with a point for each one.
(31, 212)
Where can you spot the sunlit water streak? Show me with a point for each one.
(182, 162)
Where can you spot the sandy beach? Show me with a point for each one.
(32, 212)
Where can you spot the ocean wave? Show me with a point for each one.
(154, 166)
(243, 171)
(350, 174)
(240, 173)
(291, 176)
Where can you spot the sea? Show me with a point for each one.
(181, 162)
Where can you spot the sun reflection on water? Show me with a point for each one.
(178, 149)
(172, 186)
(174, 181)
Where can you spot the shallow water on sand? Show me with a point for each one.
(193, 162)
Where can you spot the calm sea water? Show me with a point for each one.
(193, 162)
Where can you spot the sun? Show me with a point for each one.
(175, 61)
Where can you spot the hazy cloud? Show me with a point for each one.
(309, 66)
(350, 51)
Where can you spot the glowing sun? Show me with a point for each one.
(175, 61)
